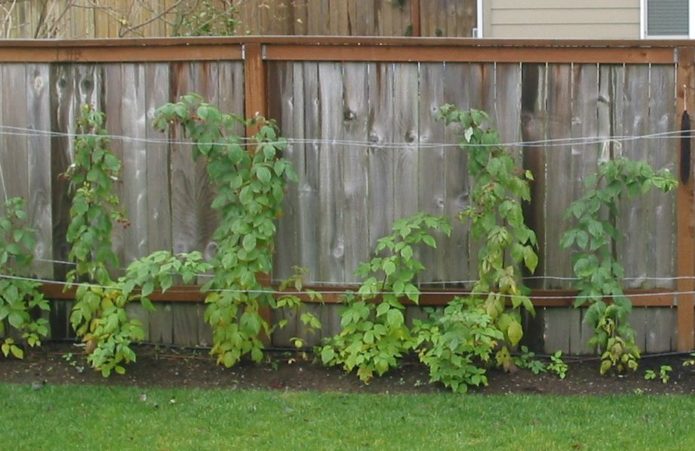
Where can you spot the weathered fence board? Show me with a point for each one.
(159, 230)
(431, 184)
(39, 165)
(355, 160)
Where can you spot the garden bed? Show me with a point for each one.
(65, 363)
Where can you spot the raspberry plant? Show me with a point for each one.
(20, 299)
(99, 315)
(595, 263)
(457, 343)
(496, 218)
(374, 335)
(250, 186)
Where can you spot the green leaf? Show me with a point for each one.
(395, 318)
(429, 240)
(263, 174)
(17, 351)
(530, 258)
(249, 242)
(389, 267)
(327, 355)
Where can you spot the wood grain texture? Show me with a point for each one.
(381, 163)
(331, 238)
(158, 191)
(281, 107)
(193, 221)
(559, 193)
(431, 165)
(39, 165)
(636, 217)
(355, 99)
(406, 99)
(662, 153)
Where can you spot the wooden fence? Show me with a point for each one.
(83, 19)
(368, 150)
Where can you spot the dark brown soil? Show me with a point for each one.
(64, 363)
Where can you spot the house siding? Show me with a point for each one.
(562, 19)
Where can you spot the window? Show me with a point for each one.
(667, 19)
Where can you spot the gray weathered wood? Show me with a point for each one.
(354, 164)
(13, 143)
(661, 328)
(431, 165)
(282, 108)
(307, 164)
(556, 329)
(559, 193)
(662, 154)
(161, 324)
(331, 239)
(636, 218)
(193, 221)
(185, 324)
(39, 165)
(381, 168)
(405, 133)
(157, 156)
(134, 125)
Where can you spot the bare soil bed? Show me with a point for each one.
(64, 363)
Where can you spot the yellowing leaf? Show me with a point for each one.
(514, 333)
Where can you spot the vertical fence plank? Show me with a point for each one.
(661, 154)
(133, 125)
(308, 167)
(405, 133)
(39, 161)
(355, 162)
(636, 217)
(381, 170)
(157, 155)
(559, 193)
(431, 165)
(331, 237)
(14, 161)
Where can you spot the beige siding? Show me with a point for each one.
(562, 19)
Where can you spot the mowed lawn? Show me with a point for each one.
(90, 417)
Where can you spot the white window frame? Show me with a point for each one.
(643, 23)
(479, 19)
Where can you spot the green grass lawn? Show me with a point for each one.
(87, 417)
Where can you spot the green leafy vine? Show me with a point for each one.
(374, 335)
(99, 315)
(250, 186)
(598, 272)
(496, 218)
(20, 298)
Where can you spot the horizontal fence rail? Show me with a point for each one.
(359, 116)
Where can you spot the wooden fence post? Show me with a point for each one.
(685, 228)
(415, 18)
(255, 83)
